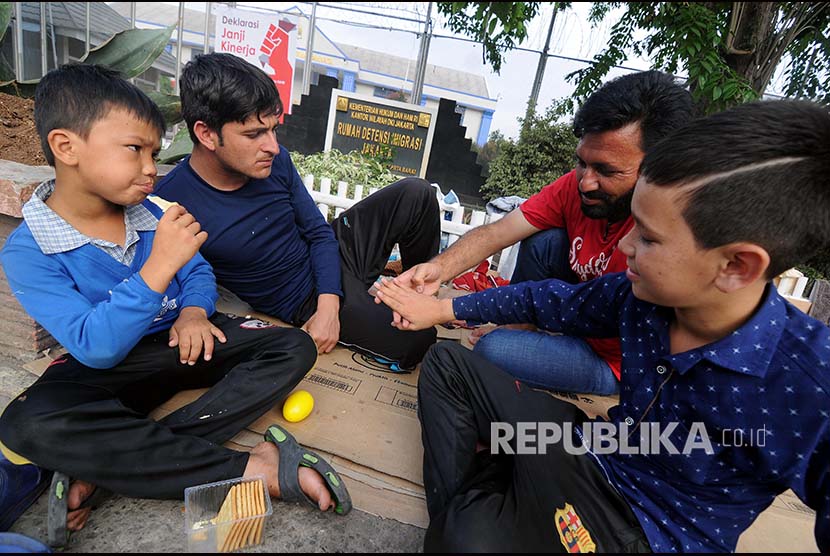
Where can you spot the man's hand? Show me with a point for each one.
(422, 278)
(418, 311)
(324, 325)
(177, 239)
(192, 331)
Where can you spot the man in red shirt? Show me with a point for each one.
(570, 230)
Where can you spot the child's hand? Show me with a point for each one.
(423, 278)
(419, 311)
(192, 331)
(178, 238)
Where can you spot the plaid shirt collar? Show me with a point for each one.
(53, 234)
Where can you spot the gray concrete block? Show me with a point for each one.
(18, 182)
(820, 298)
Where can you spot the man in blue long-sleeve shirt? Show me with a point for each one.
(725, 386)
(268, 242)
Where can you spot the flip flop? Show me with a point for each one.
(58, 535)
(292, 456)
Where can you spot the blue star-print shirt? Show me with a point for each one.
(762, 395)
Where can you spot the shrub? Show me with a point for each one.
(353, 168)
(490, 150)
(544, 151)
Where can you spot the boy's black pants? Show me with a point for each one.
(405, 213)
(92, 424)
(506, 503)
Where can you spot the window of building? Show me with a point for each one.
(77, 49)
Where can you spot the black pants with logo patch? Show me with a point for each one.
(93, 424)
(405, 213)
(480, 502)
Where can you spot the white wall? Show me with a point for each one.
(472, 121)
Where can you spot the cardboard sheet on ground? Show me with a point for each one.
(360, 413)
(371, 491)
(786, 526)
(364, 422)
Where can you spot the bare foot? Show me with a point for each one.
(78, 492)
(265, 460)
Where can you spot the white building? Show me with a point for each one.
(65, 24)
(358, 69)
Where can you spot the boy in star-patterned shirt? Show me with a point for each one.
(714, 361)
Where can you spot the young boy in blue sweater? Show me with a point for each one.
(728, 384)
(123, 288)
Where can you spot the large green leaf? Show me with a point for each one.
(178, 149)
(170, 106)
(5, 17)
(6, 69)
(132, 51)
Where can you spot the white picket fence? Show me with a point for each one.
(791, 285)
(452, 215)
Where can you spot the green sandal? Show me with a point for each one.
(57, 533)
(292, 456)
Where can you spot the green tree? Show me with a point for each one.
(498, 26)
(543, 152)
(729, 50)
(490, 150)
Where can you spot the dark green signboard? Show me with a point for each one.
(399, 132)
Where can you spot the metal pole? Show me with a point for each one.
(309, 49)
(417, 77)
(54, 46)
(18, 40)
(540, 71)
(207, 26)
(132, 26)
(44, 48)
(423, 54)
(87, 29)
(179, 32)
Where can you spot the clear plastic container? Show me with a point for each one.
(226, 516)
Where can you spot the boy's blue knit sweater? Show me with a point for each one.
(96, 307)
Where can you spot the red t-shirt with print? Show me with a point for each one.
(593, 251)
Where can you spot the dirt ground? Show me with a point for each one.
(18, 137)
